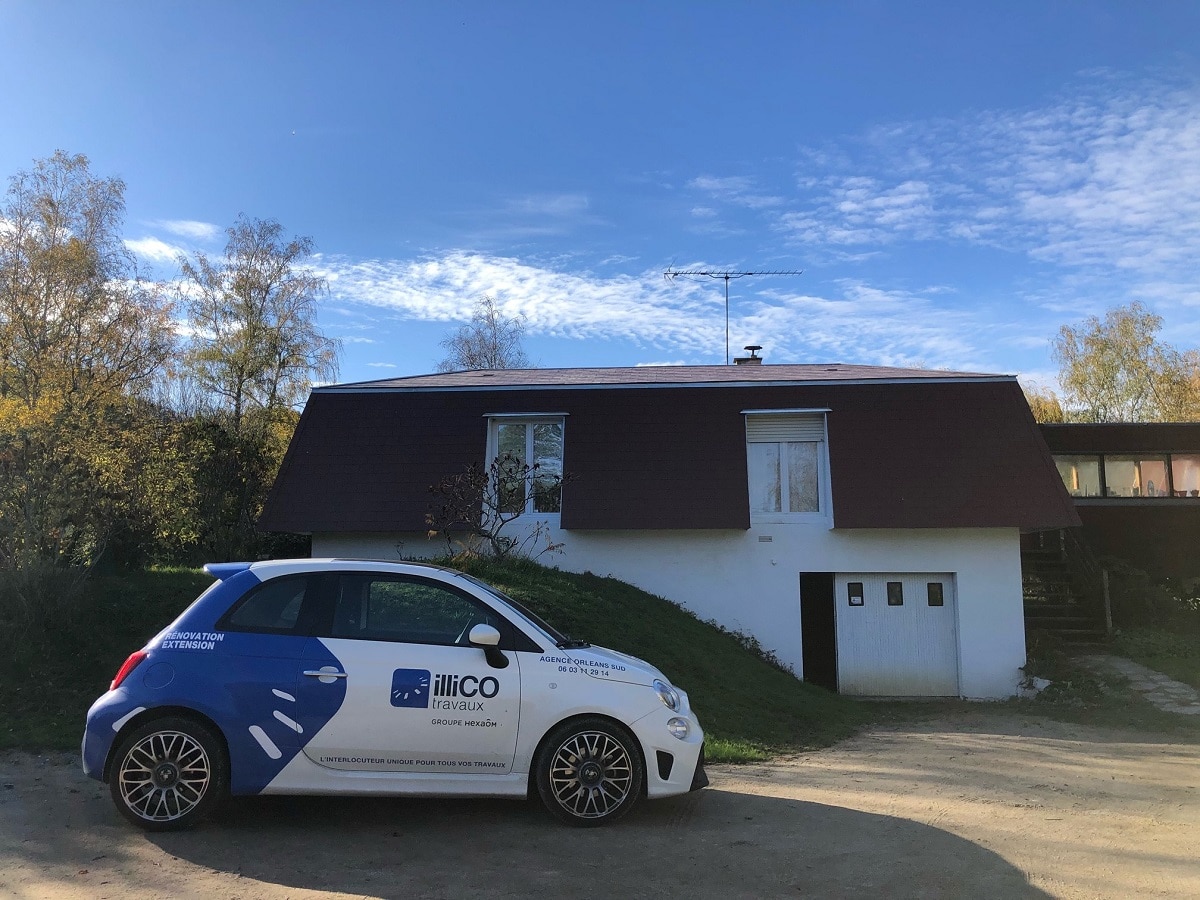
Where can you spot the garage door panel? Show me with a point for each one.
(896, 636)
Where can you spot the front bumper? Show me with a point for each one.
(671, 764)
(699, 777)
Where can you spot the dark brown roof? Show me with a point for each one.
(908, 448)
(491, 379)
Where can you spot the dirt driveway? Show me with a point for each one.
(985, 805)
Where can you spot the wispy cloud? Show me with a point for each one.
(739, 190)
(558, 205)
(644, 308)
(380, 365)
(1104, 178)
(189, 228)
(861, 323)
(529, 216)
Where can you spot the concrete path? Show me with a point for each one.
(1166, 693)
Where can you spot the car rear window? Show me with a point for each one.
(272, 607)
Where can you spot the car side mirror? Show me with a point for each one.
(488, 637)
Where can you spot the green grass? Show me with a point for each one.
(50, 675)
(1077, 694)
(750, 709)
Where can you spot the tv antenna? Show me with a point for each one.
(672, 273)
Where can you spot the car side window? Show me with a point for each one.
(273, 607)
(376, 607)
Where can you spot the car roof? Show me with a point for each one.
(273, 568)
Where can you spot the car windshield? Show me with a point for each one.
(560, 639)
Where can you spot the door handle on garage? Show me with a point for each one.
(318, 673)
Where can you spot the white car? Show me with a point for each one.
(339, 676)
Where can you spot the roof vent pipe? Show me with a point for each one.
(752, 359)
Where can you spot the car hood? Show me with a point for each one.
(610, 665)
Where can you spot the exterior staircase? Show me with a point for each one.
(1054, 603)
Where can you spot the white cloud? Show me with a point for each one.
(643, 308)
(188, 228)
(861, 324)
(382, 365)
(1103, 180)
(155, 250)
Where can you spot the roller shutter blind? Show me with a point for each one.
(784, 427)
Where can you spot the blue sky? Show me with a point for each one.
(955, 179)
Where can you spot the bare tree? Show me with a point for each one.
(473, 509)
(490, 340)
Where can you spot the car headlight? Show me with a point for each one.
(667, 694)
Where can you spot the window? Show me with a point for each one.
(785, 461)
(1081, 474)
(854, 593)
(895, 593)
(1136, 476)
(529, 458)
(1130, 475)
(935, 593)
(273, 607)
(378, 607)
(1185, 475)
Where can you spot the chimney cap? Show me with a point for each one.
(752, 359)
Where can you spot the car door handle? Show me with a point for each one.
(322, 673)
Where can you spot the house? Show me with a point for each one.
(1136, 487)
(862, 523)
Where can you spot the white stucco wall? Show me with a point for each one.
(753, 586)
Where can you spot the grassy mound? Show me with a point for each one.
(52, 670)
(750, 709)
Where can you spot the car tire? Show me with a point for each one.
(589, 772)
(169, 773)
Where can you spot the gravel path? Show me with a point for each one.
(987, 805)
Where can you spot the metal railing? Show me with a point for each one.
(1087, 575)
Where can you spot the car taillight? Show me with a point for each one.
(130, 664)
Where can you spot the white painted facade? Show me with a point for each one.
(749, 580)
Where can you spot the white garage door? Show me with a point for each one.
(897, 634)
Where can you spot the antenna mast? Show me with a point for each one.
(726, 274)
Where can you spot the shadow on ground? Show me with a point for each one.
(712, 843)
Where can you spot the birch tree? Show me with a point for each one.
(1116, 369)
(491, 340)
(253, 314)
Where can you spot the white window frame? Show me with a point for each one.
(824, 513)
(495, 420)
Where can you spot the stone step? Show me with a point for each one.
(1057, 622)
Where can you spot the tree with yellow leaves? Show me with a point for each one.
(82, 334)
